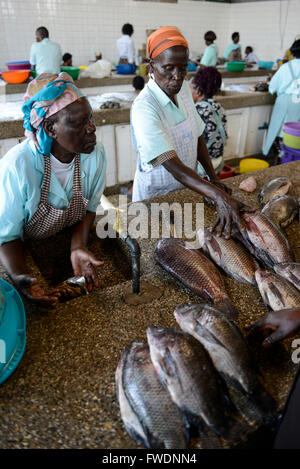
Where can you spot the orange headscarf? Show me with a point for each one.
(164, 38)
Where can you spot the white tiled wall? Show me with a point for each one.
(85, 26)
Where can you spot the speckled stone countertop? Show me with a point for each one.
(62, 395)
(230, 100)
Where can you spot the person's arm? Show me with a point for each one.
(12, 259)
(284, 324)
(228, 208)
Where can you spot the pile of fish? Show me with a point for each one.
(276, 204)
(197, 382)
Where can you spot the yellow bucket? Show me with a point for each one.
(247, 165)
(82, 67)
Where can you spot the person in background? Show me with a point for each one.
(210, 56)
(204, 86)
(233, 52)
(125, 46)
(250, 58)
(67, 60)
(51, 181)
(281, 325)
(45, 55)
(167, 133)
(285, 83)
(138, 83)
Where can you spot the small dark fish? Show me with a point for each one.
(195, 271)
(229, 352)
(187, 371)
(278, 186)
(147, 410)
(281, 210)
(290, 271)
(230, 255)
(276, 292)
(264, 239)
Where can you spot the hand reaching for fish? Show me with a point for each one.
(229, 213)
(33, 291)
(285, 323)
(84, 263)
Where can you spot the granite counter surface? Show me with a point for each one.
(62, 395)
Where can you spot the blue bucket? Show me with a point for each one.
(126, 69)
(289, 154)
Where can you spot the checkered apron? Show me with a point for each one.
(184, 137)
(48, 220)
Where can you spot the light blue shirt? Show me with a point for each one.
(21, 175)
(282, 81)
(46, 56)
(148, 132)
(210, 56)
(230, 48)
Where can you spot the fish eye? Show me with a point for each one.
(172, 339)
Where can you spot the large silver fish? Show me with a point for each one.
(281, 210)
(228, 350)
(185, 368)
(148, 412)
(264, 239)
(195, 271)
(290, 271)
(276, 292)
(278, 186)
(230, 255)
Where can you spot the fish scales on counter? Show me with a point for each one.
(185, 368)
(290, 271)
(274, 188)
(276, 292)
(264, 239)
(230, 255)
(229, 352)
(148, 412)
(195, 271)
(281, 210)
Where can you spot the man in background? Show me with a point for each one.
(45, 55)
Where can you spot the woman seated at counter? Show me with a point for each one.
(233, 52)
(167, 132)
(210, 56)
(285, 83)
(52, 180)
(250, 58)
(204, 86)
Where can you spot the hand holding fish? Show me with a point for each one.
(84, 263)
(229, 213)
(285, 323)
(33, 291)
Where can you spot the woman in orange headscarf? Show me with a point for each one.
(167, 132)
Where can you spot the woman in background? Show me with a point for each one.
(210, 56)
(204, 86)
(125, 46)
(250, 58)
(233, 52)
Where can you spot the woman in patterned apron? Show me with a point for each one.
(51, 181)
(167, 133)
(286, 84)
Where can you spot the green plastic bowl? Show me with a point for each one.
(236, 66)
(291, 141)
(72, 71)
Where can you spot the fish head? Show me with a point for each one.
(161, 342)
(184, 315)
(139, 354)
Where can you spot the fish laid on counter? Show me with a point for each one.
(281, 210)
(229, 352)
(276, 292)
(185, 368)
(290, 271)
(274, 188)
(72, 288)
(195, 271)
(148, 412)
(264, 239)
(230, 255)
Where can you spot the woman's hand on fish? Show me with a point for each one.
(33, 291)
(284, 323)
(228, 213)
(84, 263)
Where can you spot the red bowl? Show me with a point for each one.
(227, 172)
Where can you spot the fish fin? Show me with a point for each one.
(276, 292)
(295, 280)
(137, 437)
(207, 335)
(197, 428)
(226, 306)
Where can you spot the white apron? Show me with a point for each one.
(285, 110)
(184, 136)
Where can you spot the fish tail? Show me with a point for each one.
(226, 306)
